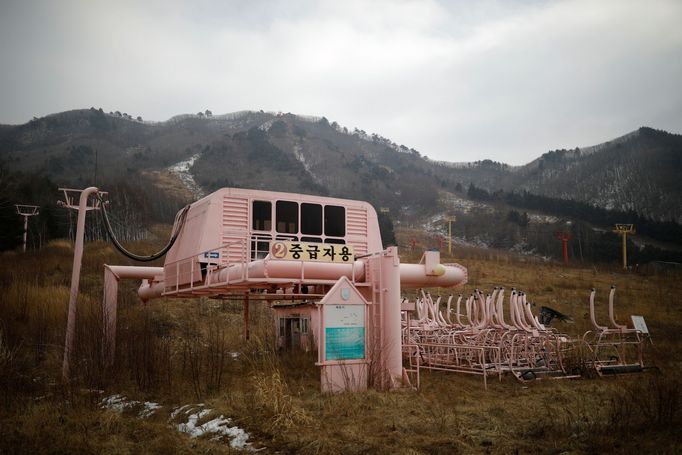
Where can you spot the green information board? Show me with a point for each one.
(344, 332)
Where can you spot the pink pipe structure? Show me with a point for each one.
(611, 314)
(267, 270)
(593, 319)
(459, 313)
(500, 311)
(112, 275)
(229, 244)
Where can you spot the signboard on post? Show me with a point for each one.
(344, 332)
(638, 322)
(343, 348)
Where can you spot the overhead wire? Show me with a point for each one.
(179, 223)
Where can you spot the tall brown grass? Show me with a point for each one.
(183, 351)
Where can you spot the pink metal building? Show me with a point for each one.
(272, 246)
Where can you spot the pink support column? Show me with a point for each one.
(112, 275)
(75, 280)
(390, 277)
(109, 313)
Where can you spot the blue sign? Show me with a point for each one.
(344, 343)
(344, 332)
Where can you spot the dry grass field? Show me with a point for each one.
(180, 352)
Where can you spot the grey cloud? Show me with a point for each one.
(457, 80)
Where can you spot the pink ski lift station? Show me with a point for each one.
(322, 255)
(321, 264)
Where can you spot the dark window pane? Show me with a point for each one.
(262, 215)
(334, 220)
(311, 239)
(287, 217)
(289, 238)
(337, 241)
(260, 246)
(311, 219)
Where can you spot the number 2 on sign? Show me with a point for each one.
(279, 250)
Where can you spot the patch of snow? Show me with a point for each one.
(191, 426)
(265, 126)
(118, 403)
(542, 219)
(189, 416)
(434, 224)
(523, 248)
(464, 205)
(149, 409)
(474, 242)
(178, 410)
(298, 152)
(455, 165)
(309, 118)
(234, 115)
(182, 171)
(218, 427)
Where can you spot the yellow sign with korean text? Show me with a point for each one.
(315, 252)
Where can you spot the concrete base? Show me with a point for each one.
(337, 378)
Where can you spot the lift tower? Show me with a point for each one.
(26, 211)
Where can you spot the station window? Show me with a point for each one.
(287, 217)
(260, 246)
(334, 221)
(262, 215)
(311, 219)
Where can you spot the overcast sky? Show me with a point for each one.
(457, 80)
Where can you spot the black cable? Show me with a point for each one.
(180, 221)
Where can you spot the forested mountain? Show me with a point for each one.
(638, 172)
(144, 164)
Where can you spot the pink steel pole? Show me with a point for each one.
(593, 318)
(611, 315)
(75, 280)
(390, 277)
